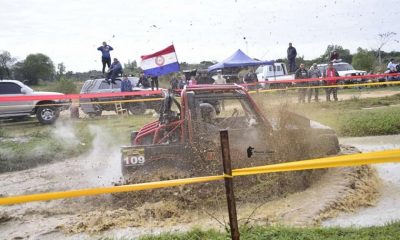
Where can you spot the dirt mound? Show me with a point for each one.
(362, 190)
(149, 215)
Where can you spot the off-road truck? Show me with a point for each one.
(185, 138)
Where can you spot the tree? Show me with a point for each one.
(6, 62)
(60, 69)
(363, 60)
(131, 68)
(383, 39)
(35, 67)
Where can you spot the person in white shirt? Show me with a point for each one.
(219, 79)
(391, 66)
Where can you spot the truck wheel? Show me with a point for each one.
(95, 114)
(137, 108)
(47, 114)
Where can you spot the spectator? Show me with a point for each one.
(291, 56)
(126, 85)
(391, 66)
(314, 72)
(251, 78)
(334, 56)
(105, 55)
(182, 82)
(301, 73)
(174, 84)
(192, 81)
(143, 81)
(115, 69)
(219, 79)
(329, 73)
(154, 82)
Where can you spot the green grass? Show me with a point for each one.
(357, 117)
(387, 232)
(29, 144)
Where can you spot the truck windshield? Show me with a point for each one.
(343, 67)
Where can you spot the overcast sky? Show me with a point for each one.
(69, 31)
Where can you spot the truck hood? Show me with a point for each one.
(357, 72)
(39, 93)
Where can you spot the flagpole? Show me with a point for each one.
(176, 55)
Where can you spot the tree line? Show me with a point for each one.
(36, 67)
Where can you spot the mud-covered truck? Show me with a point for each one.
(185, 138)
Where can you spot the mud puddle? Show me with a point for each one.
(96, 217)
(387, 207)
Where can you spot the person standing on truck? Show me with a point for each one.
(301, 73)
(115, 69)
(330, 73)
(105, 55)
(154, 82)
(314, 72)
(291, 56)
(143, 81)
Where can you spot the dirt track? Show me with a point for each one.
(338, 190)
(100, 216)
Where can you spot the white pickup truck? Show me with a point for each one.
(271, 73)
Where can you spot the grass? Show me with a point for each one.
(387, 232)
(32, 144)
(357, 117)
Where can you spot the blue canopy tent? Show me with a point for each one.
(238, 59)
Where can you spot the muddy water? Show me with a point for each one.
(388, 206)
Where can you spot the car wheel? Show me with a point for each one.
(47, 114)
(95, 114)
(137, 108)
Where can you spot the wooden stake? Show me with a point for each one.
(230, 197)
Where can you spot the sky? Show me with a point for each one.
(70, 31)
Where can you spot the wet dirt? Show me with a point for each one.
(387, 207)
(106, 215)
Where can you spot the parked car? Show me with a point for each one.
(45, 111)
(95, 106)
(345, 70)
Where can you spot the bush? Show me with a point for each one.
(65, 85)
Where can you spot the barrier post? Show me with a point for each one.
(230, 197)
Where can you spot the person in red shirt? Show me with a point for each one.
(331, 72)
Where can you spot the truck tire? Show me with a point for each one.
(95, 114)
(137, 108)
(47, 114)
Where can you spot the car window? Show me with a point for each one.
(259, 70)
(104, 85)
(9, 88)
(343, 67)
(117, 84)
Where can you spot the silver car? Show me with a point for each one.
(45, 110)
(96, 105)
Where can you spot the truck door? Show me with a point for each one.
(10, 89)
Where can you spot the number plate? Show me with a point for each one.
(133, 157)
